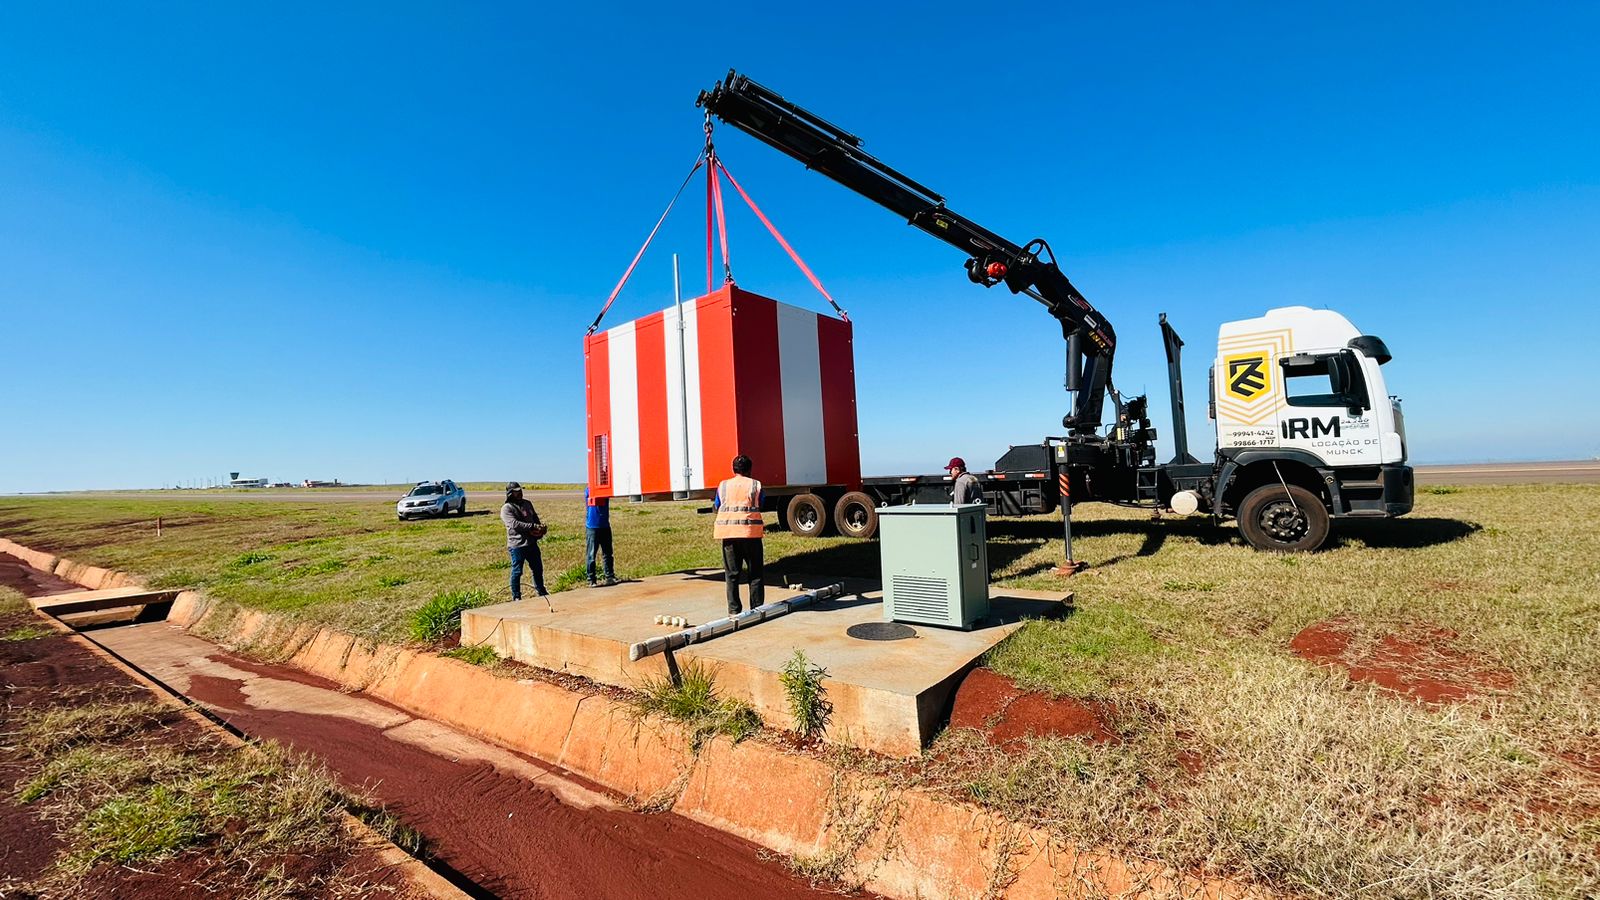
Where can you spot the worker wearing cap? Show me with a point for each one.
(739, 527)
(965, 487)
(523, 531)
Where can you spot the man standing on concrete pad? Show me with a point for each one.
(965, 488)
(597, 523)
(523, 531)
(739, 527)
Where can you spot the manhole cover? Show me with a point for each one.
(881, 631)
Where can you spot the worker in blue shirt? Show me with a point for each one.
(597, 523)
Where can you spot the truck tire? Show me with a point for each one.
(855, 515)
(808, 515)
(1292, 522)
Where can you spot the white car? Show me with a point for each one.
(432, 498)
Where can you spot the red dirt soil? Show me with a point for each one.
(1007, 715)
(509, 835)
(1421, 661)
(1587, 760)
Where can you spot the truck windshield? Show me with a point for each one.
(424, 490)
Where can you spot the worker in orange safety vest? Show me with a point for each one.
(739, 527)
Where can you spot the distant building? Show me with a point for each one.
(238, 482)
(314, 483)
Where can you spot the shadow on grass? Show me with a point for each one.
(1402, 533)
(1010, 540)
(450, 517)
(856, 562)
(858, 559)
(1154, 537)
(1196, 528)
(1405, 533)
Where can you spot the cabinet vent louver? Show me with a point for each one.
(922, 596)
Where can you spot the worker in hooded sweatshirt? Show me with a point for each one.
(523, 531)
(965, 487)
(739, 527)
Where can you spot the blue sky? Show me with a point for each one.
(364, 242)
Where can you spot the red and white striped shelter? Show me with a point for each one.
(766, 379)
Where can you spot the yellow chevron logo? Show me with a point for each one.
(1248, 375)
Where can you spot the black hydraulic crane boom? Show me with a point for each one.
(1027, 269)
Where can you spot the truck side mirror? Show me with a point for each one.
(1348, 384)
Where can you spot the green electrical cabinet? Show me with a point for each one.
(935, 564)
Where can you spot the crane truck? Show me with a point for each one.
(1306, 430)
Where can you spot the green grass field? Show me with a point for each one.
(1234, 756)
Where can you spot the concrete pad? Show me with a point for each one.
(887, 696)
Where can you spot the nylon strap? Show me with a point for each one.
(711, 212)
(716, 165)
(722, 221)
(699, 161)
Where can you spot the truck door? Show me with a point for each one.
(1327, 409)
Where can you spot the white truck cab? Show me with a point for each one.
(1303, 417)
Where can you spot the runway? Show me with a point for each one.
(1571, 471)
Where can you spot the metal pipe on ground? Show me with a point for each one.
(728, 624)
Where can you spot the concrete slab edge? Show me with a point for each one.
(860, 829)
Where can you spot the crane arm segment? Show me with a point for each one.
(1026, 269)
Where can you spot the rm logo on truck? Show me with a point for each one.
(1310, 428)
(1249, 376)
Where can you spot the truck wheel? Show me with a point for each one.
(808, 515)
(856, 516)
(1293, 522)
